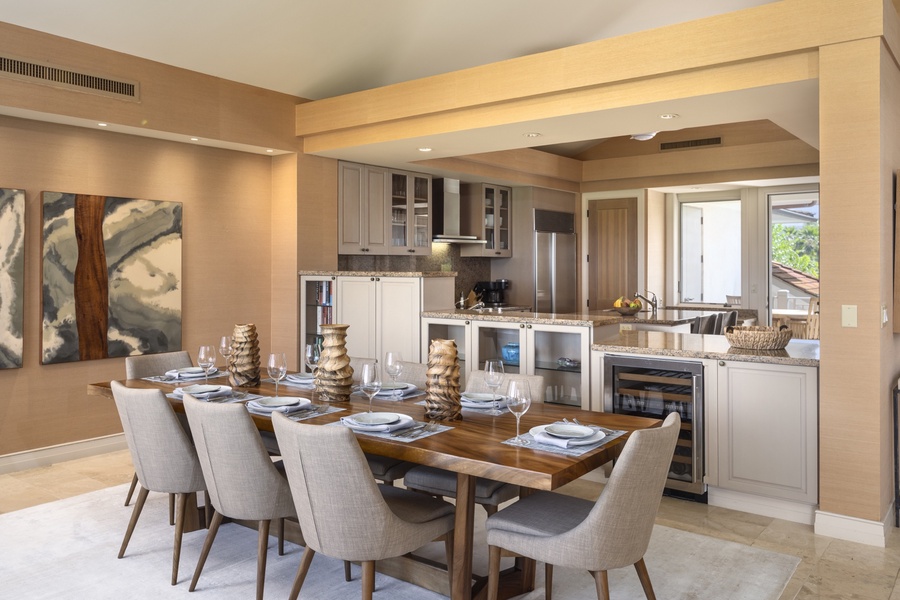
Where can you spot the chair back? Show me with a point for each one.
(617, 531)
(729, 319)
(341, 512)
(243, 483)
(703, 324)
(147, 365)
(414, 373)
(164, 457)
(476, 384)
(812, 320)
(733, 300)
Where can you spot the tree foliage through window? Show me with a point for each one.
(797, 247)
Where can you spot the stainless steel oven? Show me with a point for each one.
(655, 387)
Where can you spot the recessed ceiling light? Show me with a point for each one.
(269, 150)
(668, 116)
(101, 124)
(643, 137)
(195, 139)
(532, 134)
(424, 149)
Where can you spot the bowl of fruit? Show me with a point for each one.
(627, 306)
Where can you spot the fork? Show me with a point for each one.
(427, 429)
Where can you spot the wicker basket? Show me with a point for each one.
(758, 337)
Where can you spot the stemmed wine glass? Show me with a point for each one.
(518, 402)
(394, 368)
(206, 360)
(226, 347)
(370, 382)
(277, 368)
(312, 357)
(493, 378)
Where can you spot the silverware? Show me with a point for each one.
(427, 429)
(409, 432)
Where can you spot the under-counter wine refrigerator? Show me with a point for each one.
(653, 387)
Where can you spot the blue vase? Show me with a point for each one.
(510, 353)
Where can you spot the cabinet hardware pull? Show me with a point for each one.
(522, 325)
(721, 363)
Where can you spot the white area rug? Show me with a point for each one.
(67, 549)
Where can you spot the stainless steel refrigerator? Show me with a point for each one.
(554, 262)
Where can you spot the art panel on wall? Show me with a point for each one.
(111, 277)
(12, 276)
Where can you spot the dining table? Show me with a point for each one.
(475, 446)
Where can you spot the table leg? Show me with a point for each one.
(461, 588)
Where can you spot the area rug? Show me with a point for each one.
(68, 548)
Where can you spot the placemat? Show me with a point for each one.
(611, 434)
(395, 435)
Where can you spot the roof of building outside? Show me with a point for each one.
(796, 278)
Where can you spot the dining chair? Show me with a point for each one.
(812, 320)
(611, 533)
(147, 365)
(343, 513)
(488, 493)
(729, 319)
(733, 300)
(164, 457)
(243, 481)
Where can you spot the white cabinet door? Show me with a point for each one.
(356, 301)
(567, 383)
(767, 430)
(397, 308)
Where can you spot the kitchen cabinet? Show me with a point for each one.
(383, 211)
(486, 212)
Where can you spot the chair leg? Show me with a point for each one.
(493, 571)
(368, 579)
(179, 532)
(171, 509)
(601, 579)
(134, 482)
(347, 576)
(207, 509)
(548, 581)
(135, 514)
(305, 561)
(281, 536)
(262, 551)
(641, 569)
(448, 548)
(207, 544)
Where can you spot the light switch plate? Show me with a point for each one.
(848, 315)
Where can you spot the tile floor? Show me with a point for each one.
(830, 569)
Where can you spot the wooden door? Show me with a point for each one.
(612, 251)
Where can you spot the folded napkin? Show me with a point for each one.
(410, 391)
(223, 390)
(300, 378)
(261, 409)
(404, 423)
(483, 405)
(542, 437)
(192, 374)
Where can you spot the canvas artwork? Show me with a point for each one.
(111, 277)
(12, 276)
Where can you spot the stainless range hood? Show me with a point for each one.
(445, 201)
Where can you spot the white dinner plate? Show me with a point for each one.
(567, 431)
(191, 371)
(480, 397)
(390, 387)
(593, 439)
(276, 402)
(375, 418)
(200, 388)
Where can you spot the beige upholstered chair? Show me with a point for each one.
(243, 481)
(414, 373)
(812, 321)
(147, 365)
(343, 513)
(610, 533)
(162, 453)
(488, 493)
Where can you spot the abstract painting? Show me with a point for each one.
(111, 277)
(12, 276)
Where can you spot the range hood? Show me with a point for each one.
(445, 205)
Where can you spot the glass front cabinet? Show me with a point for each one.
(410, 208)
(317, 304)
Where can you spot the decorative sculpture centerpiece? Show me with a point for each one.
(243, 364)
(442, 382)
(334, 375)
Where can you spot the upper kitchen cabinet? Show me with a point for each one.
(383, 211)
(486, 212)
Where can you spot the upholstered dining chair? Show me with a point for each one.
(343, 513)
(488, 493)
(610, 533)
(164, 457)
(243, 481)
(146, 365)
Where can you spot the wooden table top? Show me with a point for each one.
(474, 445)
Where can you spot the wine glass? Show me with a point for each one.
(370, 382)
(394, 367)
(312, 357)
(277, 368)
(518, 402)
(226, 348)
(206, 360)
(493, 378)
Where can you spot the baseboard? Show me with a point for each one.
(797, 512)
(42, 457)
(852, 529)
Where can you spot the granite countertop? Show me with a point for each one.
(804, 353)
(380, 273)
(571, 319)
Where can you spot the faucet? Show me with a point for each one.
(654, 303)
(477, 306)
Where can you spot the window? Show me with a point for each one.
(710, 251)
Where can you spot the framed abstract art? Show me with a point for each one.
(12, 276)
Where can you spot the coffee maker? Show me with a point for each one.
(491, 293)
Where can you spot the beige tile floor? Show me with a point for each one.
(830, 569)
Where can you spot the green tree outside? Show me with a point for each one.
(797, 247)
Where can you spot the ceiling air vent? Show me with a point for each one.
(714, 141)
(23, 70)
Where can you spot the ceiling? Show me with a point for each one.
(321, 48)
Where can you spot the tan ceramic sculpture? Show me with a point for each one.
(442, 382)
(243, 364)
(334, 375)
